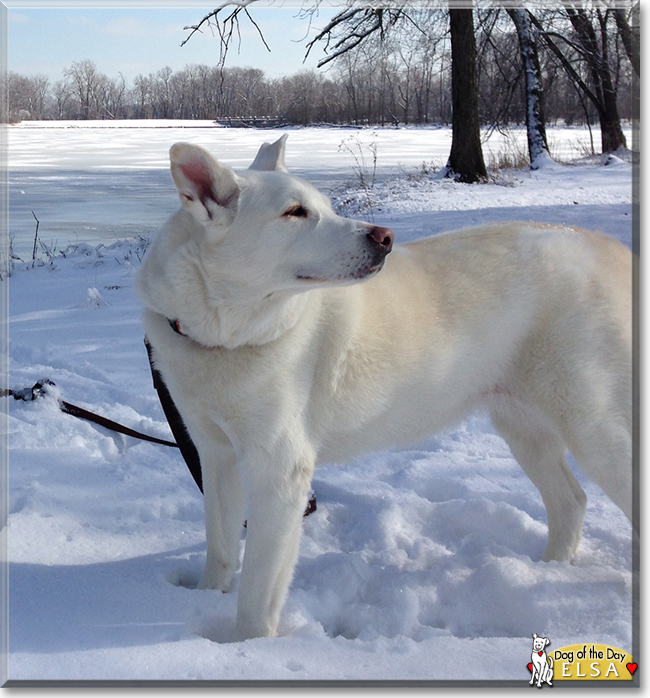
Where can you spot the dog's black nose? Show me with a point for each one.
(382, 236)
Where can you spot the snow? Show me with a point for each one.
(419, 564)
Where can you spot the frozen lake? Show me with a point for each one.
(103, 181)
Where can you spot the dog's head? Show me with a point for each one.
(262, 230)
(243, 242)
(539, 643)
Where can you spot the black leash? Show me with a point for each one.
(183, 441)
(39, 389)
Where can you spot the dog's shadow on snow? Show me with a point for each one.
(140, 601)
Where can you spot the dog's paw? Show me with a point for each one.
(217, 576)
(560, 551)
(247, 629)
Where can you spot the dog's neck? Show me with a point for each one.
(231, 325)
(174, 285)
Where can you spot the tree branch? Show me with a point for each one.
(630, 40)
(357, 24)
(226, 26)
(565, 63)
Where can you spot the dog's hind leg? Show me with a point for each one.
(603, 450)
(541, 452)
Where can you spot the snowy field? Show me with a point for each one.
(419, 564)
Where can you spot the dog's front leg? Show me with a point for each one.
(277, 496)
(224, 516)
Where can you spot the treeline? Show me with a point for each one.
(404, 79)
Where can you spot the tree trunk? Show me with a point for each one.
(611, 133)
(535, 121)
(602, 93)
(629, 37)
(612, 137)
(466, 157)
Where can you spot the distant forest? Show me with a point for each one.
(402, 78)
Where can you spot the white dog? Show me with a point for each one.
(542, 664)
(278, 358)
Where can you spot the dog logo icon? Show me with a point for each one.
(541, 665)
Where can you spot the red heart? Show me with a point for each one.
(530, 666)
(540, 653)
(631, 667)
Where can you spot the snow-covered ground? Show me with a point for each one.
(419, 564)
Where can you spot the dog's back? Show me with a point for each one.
(519, 310)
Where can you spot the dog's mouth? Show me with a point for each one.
(358, 274)
(368, 270)
(374, 246)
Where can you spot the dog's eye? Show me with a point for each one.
(297, 211)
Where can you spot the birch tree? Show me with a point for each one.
(535, 121)
(590, 39)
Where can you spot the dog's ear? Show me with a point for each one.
(208, 190)
(534, 636)
(546, 641)
(271, 156)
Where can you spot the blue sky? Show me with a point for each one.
(46, 39)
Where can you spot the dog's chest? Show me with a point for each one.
(225, 375)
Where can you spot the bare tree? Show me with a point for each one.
(143, 96)
(590, 41)
(26, 97)
(224, 21)
(348, 29)
(303, 90)
(85, 81)
(112, 97)
(398, 73)
(466, 157)
(62, 96)
(499, 70)
(535, 120)
(630, 35)
(162, 93)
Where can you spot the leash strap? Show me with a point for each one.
(82, 413)
(183, 441)
(39, 389)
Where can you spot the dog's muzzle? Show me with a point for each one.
(369, 259)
